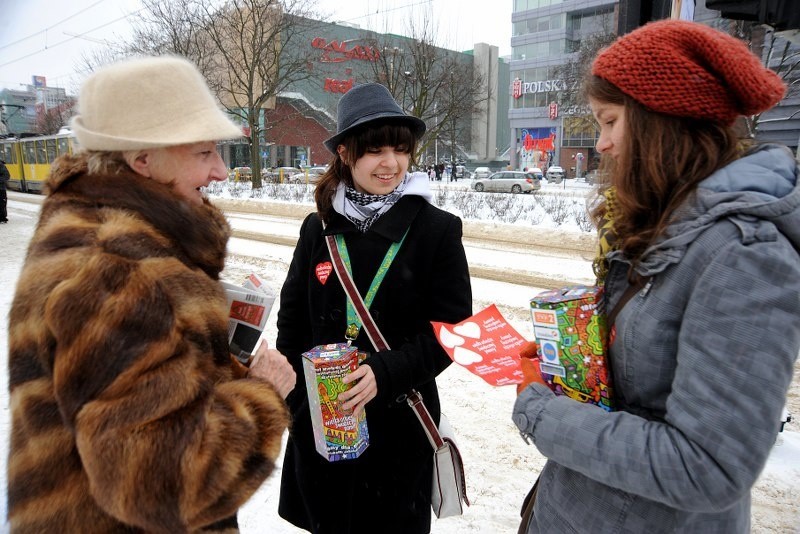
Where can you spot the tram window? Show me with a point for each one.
(41, 153)
(50, 146)
(63, 146)
(30, 152)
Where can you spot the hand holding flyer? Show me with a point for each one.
(529, 362)
(486, 345)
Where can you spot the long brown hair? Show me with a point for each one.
(355, 146)
(662, 161)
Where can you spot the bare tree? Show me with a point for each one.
(246, 49)
(257, 56)
(431, 83)
(50, 121)
(574, 72)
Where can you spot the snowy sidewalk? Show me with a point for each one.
(500, 467)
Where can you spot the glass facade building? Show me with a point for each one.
(545, 129)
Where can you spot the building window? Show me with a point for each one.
(596, 21)
(539, 24)
(580, 132)
(544, 49)
(525, 5)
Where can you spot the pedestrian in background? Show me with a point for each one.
(378, 211)
(125, 414)
(705, 284)
(5, 176)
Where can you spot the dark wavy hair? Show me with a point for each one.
(355, 146)
(660, 164)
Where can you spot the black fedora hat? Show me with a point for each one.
(367, 103)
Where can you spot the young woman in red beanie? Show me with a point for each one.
(383, 218)
(704, 280)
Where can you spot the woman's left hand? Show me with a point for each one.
(364, 390)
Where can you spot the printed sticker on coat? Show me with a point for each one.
(323, 271)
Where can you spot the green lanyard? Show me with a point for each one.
(353, 322)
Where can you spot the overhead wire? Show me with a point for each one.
(34, 34)
(76, 36)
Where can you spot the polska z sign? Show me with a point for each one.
(519, 88)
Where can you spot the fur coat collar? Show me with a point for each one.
(197, 235)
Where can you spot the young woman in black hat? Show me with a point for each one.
(369, 198)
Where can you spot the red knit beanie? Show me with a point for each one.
(686, 69)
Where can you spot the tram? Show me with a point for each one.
(28, 159)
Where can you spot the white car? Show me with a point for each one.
(481, 173)
(508, 182)
(555, 174)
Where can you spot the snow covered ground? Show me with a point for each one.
(500, 467)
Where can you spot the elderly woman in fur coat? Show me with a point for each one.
(126, 413)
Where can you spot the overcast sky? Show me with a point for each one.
(47, 37)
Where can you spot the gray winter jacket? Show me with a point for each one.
(702, 361)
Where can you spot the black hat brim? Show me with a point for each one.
(416, 125)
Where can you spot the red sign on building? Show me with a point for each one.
(338, 86)
(338, 51)
(516, 88)
(553, 111)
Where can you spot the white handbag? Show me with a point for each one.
(448, 488)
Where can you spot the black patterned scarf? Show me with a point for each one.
(363, 209)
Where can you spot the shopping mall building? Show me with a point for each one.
(340, 56)
(527, 122)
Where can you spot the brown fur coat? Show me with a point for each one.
(125, 413)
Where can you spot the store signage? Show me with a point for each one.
(338, 51)
(576, 110)
(553, 111)
(337, 86)
(519, 88)
(542, 139)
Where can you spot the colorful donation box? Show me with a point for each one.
(337, 434)
(571, 333)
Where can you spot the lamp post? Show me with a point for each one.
(436, 140)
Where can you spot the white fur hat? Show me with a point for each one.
(148, 103)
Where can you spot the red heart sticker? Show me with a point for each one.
(323, 270)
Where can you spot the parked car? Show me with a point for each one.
(555, 174)
(481, 173)
(536, 171)
(279, 174)
(310, 175)
(240, 174)
(508, 182)
(462, 172)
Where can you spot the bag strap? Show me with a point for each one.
(629, 293)
(414, 399)
(373, 333)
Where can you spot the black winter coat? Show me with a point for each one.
(387, 489)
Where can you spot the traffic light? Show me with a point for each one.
(780, 14)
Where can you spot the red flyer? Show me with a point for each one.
(486, 345)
